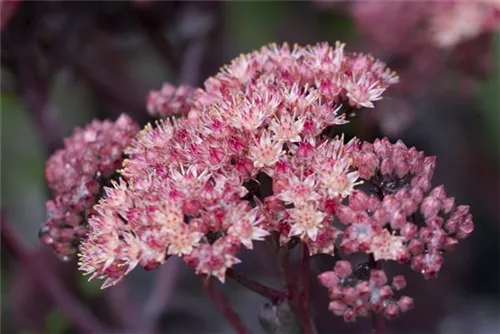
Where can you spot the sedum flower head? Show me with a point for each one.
(257, 155)
(185, 184)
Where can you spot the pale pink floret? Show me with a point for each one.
(306, 220)
(299, 191)
(214, 259)
(363, 91)
(183, 240)
(266, 151)
(339, 182)
(286, 128)
(252, 114)
(245, 226)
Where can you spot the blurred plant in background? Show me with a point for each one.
(424, 40)
(67, 63)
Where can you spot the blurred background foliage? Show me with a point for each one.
(65, 63)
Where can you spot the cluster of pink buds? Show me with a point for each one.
(361, 292)
(258, 156)
(75, 176)
(393, 216)
(404, 219)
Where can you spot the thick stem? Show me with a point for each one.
(303, 296)
(378, 322)
(68, 304)
(224, 307)
(291, 287)
(274, 296)
(288, 277)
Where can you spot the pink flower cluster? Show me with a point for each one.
(75, 176)
(256, 156)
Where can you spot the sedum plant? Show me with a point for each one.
(258, 155)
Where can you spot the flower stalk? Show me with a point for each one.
(224, 307)
(304, 293)
(274, 296)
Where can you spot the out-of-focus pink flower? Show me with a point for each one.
(75, 174)
(431, 23)
(456, 22)
(418, 31)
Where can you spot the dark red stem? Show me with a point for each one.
(68, 304)
(275, 296)
(287, 274)
(297, 299)
(224, 307)
(304, 295)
